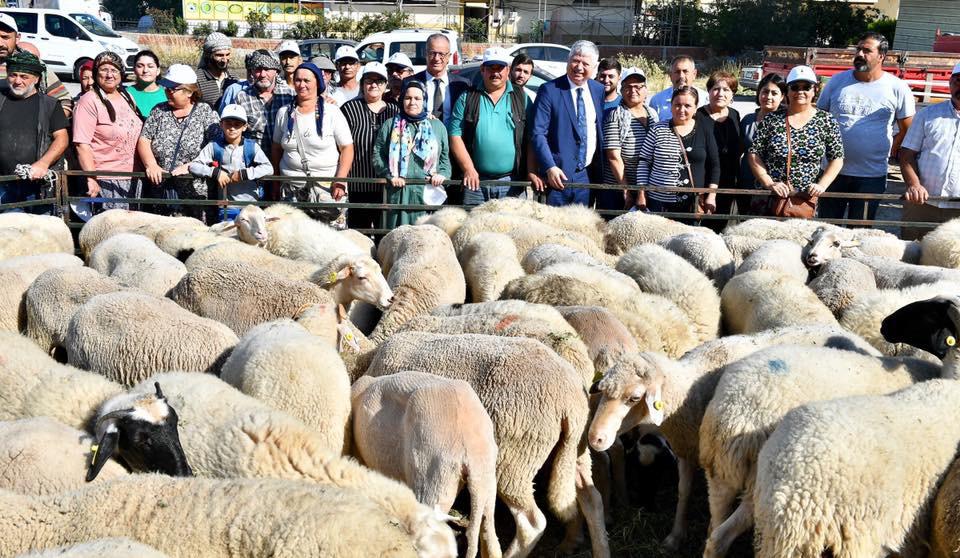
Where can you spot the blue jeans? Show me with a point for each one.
(570, 196)
(21, 191)
(834, 208)
(487, 193)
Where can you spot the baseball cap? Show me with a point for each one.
(375, 68)
(7, 21)
(234, 112)
(346, 51)
(324, 63)
(179, 74)
(288, 46)
(496, 55)
(400, 59)
(632, 72)
(956, 69)
(802, 73)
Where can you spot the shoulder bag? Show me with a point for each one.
(800, 205)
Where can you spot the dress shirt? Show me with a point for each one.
(445, 88)
(591, 116)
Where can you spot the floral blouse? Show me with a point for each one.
(817, 138)
(193, 132)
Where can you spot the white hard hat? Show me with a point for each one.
(375, 68)
(346, 51)
(802, 73)
(234, 112)
(179, 74)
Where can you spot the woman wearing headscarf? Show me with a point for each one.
(411, 145)
(106, 126)
(172, 136)
(312, 138)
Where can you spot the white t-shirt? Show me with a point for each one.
(341, 95)
(866, 112)
(322, 152)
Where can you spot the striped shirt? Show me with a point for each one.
(935, 137)
(662, 164)
(627, 139)
(364, 125)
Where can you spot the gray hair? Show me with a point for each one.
(586, 48)
(437, 36)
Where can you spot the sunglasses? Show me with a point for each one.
(801, 87)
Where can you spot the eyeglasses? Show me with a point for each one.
(179, 90)
(440, 55)
(801, 87)
(635, 86)
(108, 71)
(376, 82)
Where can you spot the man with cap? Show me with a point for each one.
(264, 97)
(348, 64)
(443, 89)
(33, 130)
(327, 67)
(49, 83)
(213, 76)
(866, 101)
(399, 68)
(934, 137)
(487, 130)
(289, 53)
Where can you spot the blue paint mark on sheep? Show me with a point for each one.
(778, 366)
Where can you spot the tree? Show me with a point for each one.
(258, 24)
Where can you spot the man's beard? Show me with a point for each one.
(264, 84)
(221, 64)
(23, 92)
(860, 65)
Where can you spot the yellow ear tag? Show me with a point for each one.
(349, 337)
(658, 405)
(94, 448)
(333, 277)
(951, 340)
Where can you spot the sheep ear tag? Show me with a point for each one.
(102, 452)
(655, 407)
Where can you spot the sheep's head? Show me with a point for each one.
(432, 537)
(358, 277)
(251, 225)
(142, 431)
(631, 393)
(825, 244)
(932, 325)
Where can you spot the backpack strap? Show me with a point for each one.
(249, 152)
(218, 152)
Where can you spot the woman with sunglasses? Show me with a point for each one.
(803, 136)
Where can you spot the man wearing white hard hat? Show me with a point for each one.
(289, 53)
(866, 101)
(348, 64)
(399, 68)
(487, 130)
(930, 161)
(365, 116)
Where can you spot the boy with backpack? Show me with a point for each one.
(232, 163)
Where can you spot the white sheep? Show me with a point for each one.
(776, 255)
(40, 456)
(260, 257)
(447, 219)
(135, 261)
(526, 233)
(235, 518)
(54, 296)
(227, 434)
(768, 299)
(604, 335)
(182, 242)
(126, 336)
(360, 240)
(545, 255)
(109, 547)
(637, 227)
(661, 272)
(753, 396)
(945, 537)
(839, 282)
(249, 226)
(706, 252)
(423, 271)
(574, 218)
(241, 296)
(630, 389)
(939, 246)
(16, 275)
(538, 405)
(489, 261)
(115, 221)
(794, 230)
(433, 434)
(847, 477)
(24, 234)
(284, 366)
(740, 246)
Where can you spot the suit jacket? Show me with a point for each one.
(554, 133)
(457, 87)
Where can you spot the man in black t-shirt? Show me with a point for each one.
(33, 130)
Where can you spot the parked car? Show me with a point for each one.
(325, 47)
(750, 76)
(471, 71)
(67, 40)
(550, 57)
(412, 42)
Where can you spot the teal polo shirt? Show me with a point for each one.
(493, 151)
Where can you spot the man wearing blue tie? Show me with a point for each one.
(568, 128)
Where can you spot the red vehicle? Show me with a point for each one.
(925, 72)
(946, 42)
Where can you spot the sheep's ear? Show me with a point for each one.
(229, 227)
(159, 393)
(103, 450)
(272, 219)
(341, 312)
(344, 273)
(925, 324)
(655, 407)
(849, 243)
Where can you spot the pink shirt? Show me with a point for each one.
(114, 144)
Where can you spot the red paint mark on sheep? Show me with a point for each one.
(505, 322)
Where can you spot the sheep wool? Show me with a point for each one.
(826, 482)
(127, 336)
(945, 539)
(941, 246)
(24, 234)
(839, 282)
(135, 261)
(40, 456)
(115, 547)
(782, 256)
(604, 335)
(189, 517)
(766, 299)
(545, 255)
(740, 247)
(116, 221)
(526, 233)
(627, 230)
(447, 219)
(574, 218)
(16, 275)
(706, 252)
(284, 366)
(489, 262)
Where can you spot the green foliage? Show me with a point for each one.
(657, 78)
(231, 29)
(311, 29)
(376, 23)
(474, 30)
(123, 9)
(201, 31)
(258, 25)
(166, 21)
(346, 27)
(885, 26)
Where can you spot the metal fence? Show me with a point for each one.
(60, 200)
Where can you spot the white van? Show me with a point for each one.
(412, 42)
(68, 39)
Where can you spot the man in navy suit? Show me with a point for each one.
(568, 128)
(443, 89)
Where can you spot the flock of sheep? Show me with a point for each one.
(272, 387)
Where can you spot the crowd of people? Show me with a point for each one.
(203, 133)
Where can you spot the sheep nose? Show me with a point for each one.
(598, 441)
